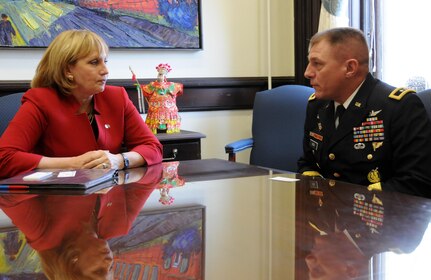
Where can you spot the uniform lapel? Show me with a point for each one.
(327, 122)
(324, 127)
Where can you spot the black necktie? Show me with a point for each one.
(339, 114)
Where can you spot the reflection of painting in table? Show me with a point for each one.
(123, 24)
(162, 245)
(17, 259)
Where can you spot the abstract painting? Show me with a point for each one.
(161, 245)
(154, 24)
(17, 259)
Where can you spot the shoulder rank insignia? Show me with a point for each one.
(399, 93)
(312, 97)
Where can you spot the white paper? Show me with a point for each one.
(64, 174)
(37, 176)
(284, 179)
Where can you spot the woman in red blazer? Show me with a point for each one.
(70, 118)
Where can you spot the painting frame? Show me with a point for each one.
(145, 24)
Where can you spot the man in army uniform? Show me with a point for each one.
(382, 140)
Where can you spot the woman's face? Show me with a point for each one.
(94, 259)
(89, 74)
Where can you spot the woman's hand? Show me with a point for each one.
(94, 159)
(99, 159)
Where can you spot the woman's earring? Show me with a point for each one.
(70, 77)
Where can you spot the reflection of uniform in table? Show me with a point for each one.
(349, 224)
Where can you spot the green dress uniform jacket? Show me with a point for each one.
(384, 136)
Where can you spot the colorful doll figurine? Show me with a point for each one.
(161, 96)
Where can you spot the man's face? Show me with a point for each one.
(326, 71)
(334, 257)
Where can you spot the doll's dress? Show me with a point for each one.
(162, 106)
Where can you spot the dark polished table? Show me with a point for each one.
(215, 219)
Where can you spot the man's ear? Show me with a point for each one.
(352, 67)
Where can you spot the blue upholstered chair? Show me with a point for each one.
(9, 105)
(277, 128)
(425, 96)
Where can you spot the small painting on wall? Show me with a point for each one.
(151, 24)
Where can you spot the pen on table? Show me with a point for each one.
(13, 187)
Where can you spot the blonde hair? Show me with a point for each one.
(57, 265)
(65, 50)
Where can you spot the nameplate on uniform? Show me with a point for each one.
(316, 136)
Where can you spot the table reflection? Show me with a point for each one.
(70, 233)
(345, 226)
(171, 179)
(223, 220)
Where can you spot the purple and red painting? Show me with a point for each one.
(161, 245)
(160, 24)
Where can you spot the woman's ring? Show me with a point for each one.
(104, 165)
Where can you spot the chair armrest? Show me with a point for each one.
(237, 146)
